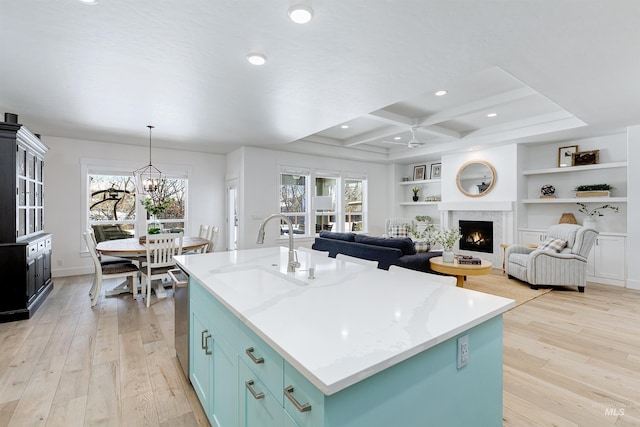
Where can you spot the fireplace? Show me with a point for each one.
(476, 236)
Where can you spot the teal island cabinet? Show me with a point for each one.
(352, 346)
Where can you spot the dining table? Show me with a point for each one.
(134, 249)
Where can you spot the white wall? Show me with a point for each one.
(63, 187)
(503, 160)
(260, 182)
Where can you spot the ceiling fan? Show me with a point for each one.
(413, 142)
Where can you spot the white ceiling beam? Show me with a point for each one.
(391, 118)
(480, 139)
(475, 106)
(440, 131)
(336, 143)
(519, 124)
(373, 136)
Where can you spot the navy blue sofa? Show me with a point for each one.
(387, 251)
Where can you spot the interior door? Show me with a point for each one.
(232, 215)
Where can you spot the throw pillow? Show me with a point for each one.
(421, 246)
(555, 245)
(400, 231)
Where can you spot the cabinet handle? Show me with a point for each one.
(255, 395)
(206, 344)
(302, 408)
(202, 338)
(255, 360)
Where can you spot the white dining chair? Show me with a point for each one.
(161, 248)
(111, 270)
(104, 260)
(210, 233)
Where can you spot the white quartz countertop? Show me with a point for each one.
(350, 322)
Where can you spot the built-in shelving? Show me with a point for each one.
(578, 200)
(611, 165)
(418, 203)
(422, 181)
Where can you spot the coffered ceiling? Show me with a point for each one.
(550, 70)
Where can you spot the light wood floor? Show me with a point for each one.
(570, 359)
(113, 365)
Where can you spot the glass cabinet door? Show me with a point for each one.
(22, 162)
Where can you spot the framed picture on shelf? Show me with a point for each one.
(584, 158)
(565, 155)
(436, 170)
(419, 172)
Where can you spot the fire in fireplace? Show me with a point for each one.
(476, 236)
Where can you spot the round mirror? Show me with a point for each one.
(476, 178)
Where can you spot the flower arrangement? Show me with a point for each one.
(155, 207)
(596, 211)
(415, 190)
(447, 237)
(426, 234)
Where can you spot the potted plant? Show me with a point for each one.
(415, 190)
(154, 207)
(593, 190)
(594, 214)
(447, 237)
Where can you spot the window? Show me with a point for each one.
(172, 190)
(293, 201)
(334, 195)
(325, 201)
(116, 212)
(112, 206)
(354, 203)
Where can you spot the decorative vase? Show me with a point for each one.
(590, 223)
(447, 255)
(415, 198)
(154, 226)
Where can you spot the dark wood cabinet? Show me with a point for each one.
(25, 249)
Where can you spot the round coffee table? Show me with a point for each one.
(460, 270)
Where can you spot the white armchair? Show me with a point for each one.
(548, 267)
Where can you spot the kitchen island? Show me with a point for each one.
(352, 346)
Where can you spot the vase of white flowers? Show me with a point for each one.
(447, 237)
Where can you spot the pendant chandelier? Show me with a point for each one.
(148, 178)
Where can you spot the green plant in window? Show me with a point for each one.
(156, 207)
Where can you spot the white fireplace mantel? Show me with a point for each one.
(476, 205)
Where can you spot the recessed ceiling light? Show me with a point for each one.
(492, 114)
(441, 93)
(256, 58)
(345, 126)
(398, 138)
(90, 2)
(300, 13)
